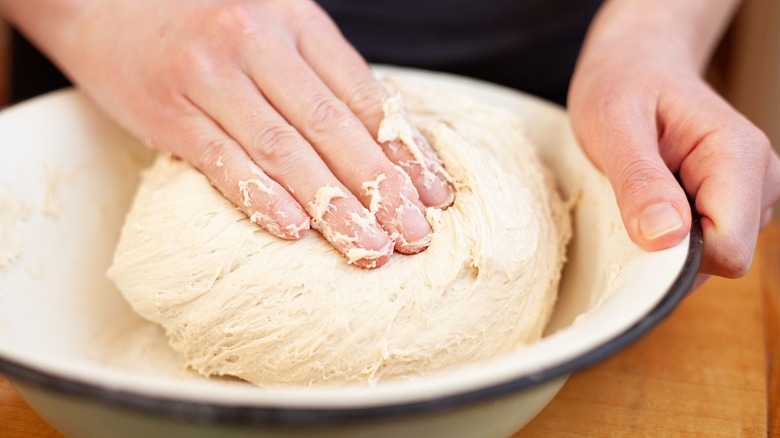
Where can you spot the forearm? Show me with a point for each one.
(675, 31)
(52, 25)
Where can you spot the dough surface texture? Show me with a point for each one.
(234, 300)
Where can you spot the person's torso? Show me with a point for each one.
(531, 45)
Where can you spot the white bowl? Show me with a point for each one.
(79, 356)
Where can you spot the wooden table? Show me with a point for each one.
(712, 369)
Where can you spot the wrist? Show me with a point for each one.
(682, 34)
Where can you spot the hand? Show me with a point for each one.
(642, 119)
(269, 101)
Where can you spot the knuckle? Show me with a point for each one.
(304, 13)
(642, 176)
(736, 259)
(227, 17)
(746, 145)
(365, 99)
(273, 142)
(193, 61)
(222, 28)
(761, 143)
(325, 114)
(212, 152)
(759, 138)
(741, 133)
(234, 28)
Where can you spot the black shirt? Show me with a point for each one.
(530, 45)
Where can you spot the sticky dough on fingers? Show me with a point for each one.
(236, 301)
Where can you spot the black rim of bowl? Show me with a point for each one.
(211, 413)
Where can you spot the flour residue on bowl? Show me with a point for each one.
(13, 211)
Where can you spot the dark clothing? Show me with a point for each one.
(31, 73)
(530, 45)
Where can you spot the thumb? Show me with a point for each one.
(653, 205)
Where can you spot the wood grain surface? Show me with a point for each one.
(702, 372)
(769, 268)
(712, 369)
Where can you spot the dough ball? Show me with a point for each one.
(234, 300)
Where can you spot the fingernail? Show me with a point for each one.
(291, 218)
(288, 221)
(372, 249)
(658, 220)
(415, 231)
(439, 191)
(441, 194)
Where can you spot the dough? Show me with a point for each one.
(235, 300)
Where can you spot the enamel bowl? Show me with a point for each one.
(80, 357)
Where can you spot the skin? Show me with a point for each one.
(265, 98)
(269, 94)
(643, 113)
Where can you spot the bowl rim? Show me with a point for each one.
(243, 414)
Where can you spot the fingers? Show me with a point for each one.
(242, 182)
(249, 97)
(722, 173)
(727, 173)
(346, 148)
(653, 206)
(735, 178)
(639, 138)
(345, 72)
(265, 202)
(404, 145)
(288, 159)
(358, 199)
